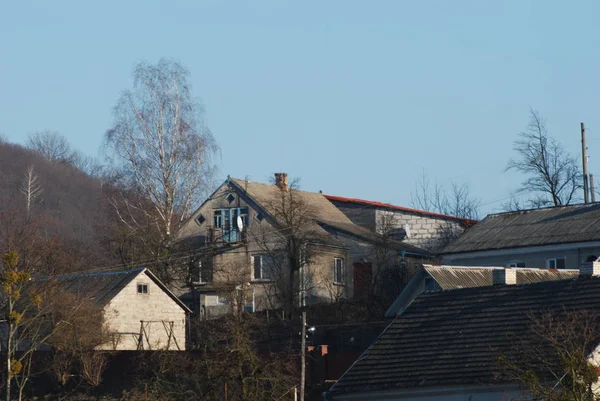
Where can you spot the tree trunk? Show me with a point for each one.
(9, 353)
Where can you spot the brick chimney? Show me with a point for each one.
(281, 180)
(505, 276)
(589, 269)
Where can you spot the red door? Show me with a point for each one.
(363, 278)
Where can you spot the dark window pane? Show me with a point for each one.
(561, 263)
(257, 267)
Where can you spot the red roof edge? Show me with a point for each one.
(467, 222)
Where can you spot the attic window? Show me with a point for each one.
(201, 219)
(259, 217)
(142, 288)
(230, 198)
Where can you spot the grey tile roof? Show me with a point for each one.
(319, 208)
(101, 287)
(555, 225)
(370, 236)
(454, 277)
(455, 337)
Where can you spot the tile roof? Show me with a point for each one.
(547, 226)
(455, 337)
(455, 277)
(364, 233)
(334, 198)
(321, 210)
(101, 287)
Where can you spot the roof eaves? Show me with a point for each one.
(166, 290)
(402, 208)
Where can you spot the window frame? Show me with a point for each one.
(261, 257)
(555, 260)
(515, 263)
(339, 277)
(141, 287)
(198, 279)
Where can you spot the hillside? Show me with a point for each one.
(67, 214)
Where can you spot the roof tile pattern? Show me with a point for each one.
(555, 225)
(455, 337)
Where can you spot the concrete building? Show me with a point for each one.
(140, 312)
(426, 230)
(241, 235)
(560, 237)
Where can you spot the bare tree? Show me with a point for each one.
(31, 187)
(553, 176)
(456, 201)
(290, 243)
(50, 145)
(554, 362)
(161, 152)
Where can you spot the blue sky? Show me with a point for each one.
(356, 98)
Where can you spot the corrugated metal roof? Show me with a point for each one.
(548, 226)
(454, 277)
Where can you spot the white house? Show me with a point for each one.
(139, 310)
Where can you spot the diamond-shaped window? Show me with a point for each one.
(230, 198)
(259, 217)
(201, 219)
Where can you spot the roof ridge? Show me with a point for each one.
(91, 274)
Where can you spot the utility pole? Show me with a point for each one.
(584, 159)
(303, 332)
(592, 193)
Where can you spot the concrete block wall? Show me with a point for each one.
(425, 231)
(124, 314)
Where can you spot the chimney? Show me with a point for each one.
(505, 276)
(589, 269)
(281, 180)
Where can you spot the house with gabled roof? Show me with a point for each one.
(449, 345)
(426, 230)
(139, 311)
(560, 237)
(238, 233)
(444, 277)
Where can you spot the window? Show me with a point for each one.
(201, 272)
(142, 288)
(201, 219)
(262, 267)
(515, 264)
(259, 217)
(226, 219)
(557, 263)
(338, 271)
(429, 284)
(230, 198)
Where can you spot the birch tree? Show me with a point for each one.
(30, 187)
(161, 153)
